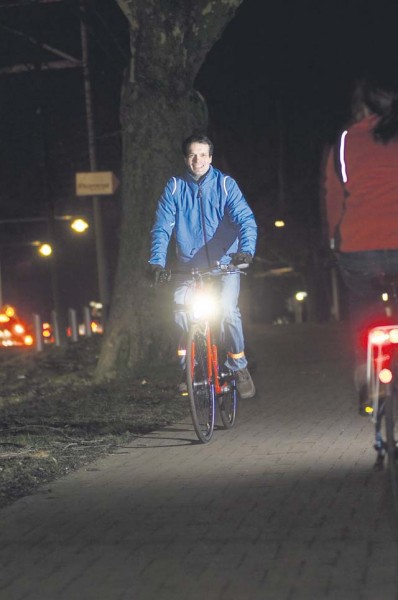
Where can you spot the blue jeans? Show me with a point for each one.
(231, 321)
(360, 271)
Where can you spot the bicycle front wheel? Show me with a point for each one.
(391, 417)
(200, 384)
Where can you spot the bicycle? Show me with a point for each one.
(382, 384)
(209, 381)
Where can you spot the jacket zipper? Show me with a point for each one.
(202, 214)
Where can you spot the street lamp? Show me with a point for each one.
(300, 296)
(279, 223)
(45, 249)
(79, 225)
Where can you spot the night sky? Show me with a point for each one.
(277, 87)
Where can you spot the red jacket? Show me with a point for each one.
(368, 216)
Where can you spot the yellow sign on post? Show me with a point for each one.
(96, 183)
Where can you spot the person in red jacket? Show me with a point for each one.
(361, 193)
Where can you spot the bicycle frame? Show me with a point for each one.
(205, 382)
(212, 361)
(213, 372)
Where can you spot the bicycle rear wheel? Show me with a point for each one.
(200, 385)
(391, 417)
(228, 400)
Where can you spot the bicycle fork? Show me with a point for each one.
(220, 387)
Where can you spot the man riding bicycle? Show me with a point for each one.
(211, 222)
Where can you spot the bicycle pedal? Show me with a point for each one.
(225, 388)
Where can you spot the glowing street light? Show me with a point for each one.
(279, 223)
(45, 249)
(300, 296)
(79, 225)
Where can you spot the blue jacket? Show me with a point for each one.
(209, 219)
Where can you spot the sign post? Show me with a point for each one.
(98, 183)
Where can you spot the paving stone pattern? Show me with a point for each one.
(283, 507)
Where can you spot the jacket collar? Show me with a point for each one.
(204, 179)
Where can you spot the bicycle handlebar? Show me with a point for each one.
(195, 274)
(217, 271)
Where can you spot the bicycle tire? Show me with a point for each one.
(391, 424)
(228, 401)
(200, 386)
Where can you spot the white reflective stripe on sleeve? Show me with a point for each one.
(225, 184)
(175, 186)
(342, 157)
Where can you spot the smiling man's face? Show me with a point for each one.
(198, 159)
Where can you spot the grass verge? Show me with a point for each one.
(54, 418)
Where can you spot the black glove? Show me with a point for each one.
(159, 274)
(241, 258)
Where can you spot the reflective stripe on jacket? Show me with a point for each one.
(362, 191)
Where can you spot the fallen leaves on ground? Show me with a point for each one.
(54, 418)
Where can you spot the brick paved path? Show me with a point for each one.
(283, 507)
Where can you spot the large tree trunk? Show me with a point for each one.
(169, 42)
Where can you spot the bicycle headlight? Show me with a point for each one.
(204, 306)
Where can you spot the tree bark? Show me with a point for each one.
(159, 108)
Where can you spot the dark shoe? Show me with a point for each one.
(245, 384)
